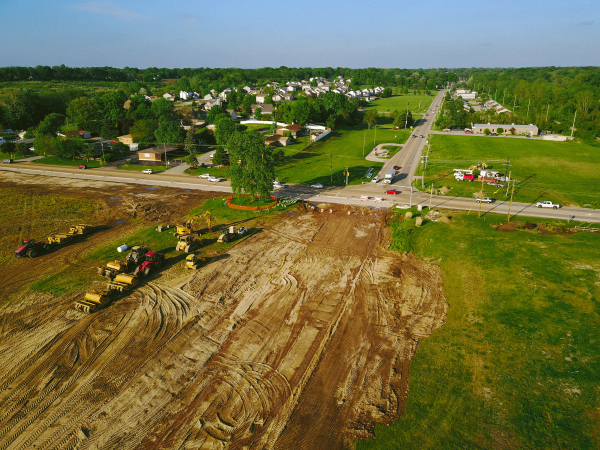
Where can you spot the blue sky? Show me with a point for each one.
(309, 33)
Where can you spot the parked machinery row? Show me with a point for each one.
(141, 261)
(31, 248)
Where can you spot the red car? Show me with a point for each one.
(392, 192)
(83, 166)
(396, 167)
(468, 131)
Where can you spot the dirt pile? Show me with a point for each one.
(300, 337)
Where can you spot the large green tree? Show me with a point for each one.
(252, 168)
(225, 127)
(170, 133)
(162, 109)
(143, 131)
(371, 117)
(82, 111)
(109, 128)
(50, 125)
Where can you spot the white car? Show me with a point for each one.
(317, 186)
(212, 155)
(547, 204)
(205, 175)
(485, 200)
(215, 179)
(375, 179)
(148, 171)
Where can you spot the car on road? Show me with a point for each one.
(7, 161)
(148, 171)
(392, 192)
(317, 186)
(205, 175)
(468, 131)
(414, 135)
(421, 135)
(485, 200)
(375, 179)
(212, 155)
(215, 179)
(82, 166)
(547, 204)
(396, 167)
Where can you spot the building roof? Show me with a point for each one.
(506, 126)
(161, 149)
(75, 133)
(294, 127)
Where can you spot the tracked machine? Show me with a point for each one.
(123, 283)
(188, 243)
(112, 269)
(186, 227)
(193, 262)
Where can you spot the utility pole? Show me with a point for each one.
(505, 173)
(347, 173)
(547, 111)
(331, 167)
(430, 195)
(573, 127)
(510, 204)
(364, 137)
(375, 137)
(424, 164)
(406, 119)
(480, 198)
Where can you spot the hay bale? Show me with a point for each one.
(408, 215)
(419, 221)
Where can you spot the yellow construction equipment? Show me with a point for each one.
(60, 239)
(113, 269)
(186, 227)
(193, 262)
(92, 302)
(478, 166)
(188, 243)
(80, 229)
(123, 283)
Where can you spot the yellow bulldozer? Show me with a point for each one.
(186, 227)
(193, 262)
(92, 301)
(65, 238)
(188, 243)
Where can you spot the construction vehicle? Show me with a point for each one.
(137, 255)
(123, 282)
(193, 261)
(65, 238)
(188, 243)
(242, 231)
(479, 166)
(186, 227)
(224, 236)
(112, 269)
(229, 234)
(152, 262)
(92, 302)
(80, 229)
(31, 248)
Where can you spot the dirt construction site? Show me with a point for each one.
(298, 337)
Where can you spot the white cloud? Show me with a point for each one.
(109, 9)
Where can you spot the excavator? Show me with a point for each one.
(186, 227)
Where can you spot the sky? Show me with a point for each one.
(307, 33)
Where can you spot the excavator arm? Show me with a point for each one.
(186, 228)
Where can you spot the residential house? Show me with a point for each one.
(291, 88)
(277, 97)
(294, 129)
(232, 113)
(84, 134)
(261, 98)
(169, 96)
(209, 97)
(185, 95)
(155, 153)
(125, 139)
(277, 140)
(289, 97)
(209, 104)
(265, 109)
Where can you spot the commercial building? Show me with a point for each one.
(479, 128)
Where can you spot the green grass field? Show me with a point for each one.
(517, 364)
(56, 161)
(139, 168)
(564, 172)
(400, 102)
(342, 148)
(221, 172)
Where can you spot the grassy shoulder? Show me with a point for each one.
(56, 161)
(564, 172)
(326, 160)
(516, 365)
(139, 168)
(221, 172)
(415, 103)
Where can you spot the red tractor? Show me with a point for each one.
(153, 262)
(31, 248)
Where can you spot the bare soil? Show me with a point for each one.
(300, 337)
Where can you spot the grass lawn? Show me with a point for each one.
(401, 101)
(342, 148)
(221, 172)
(137, 168)
(56, 161)
(517, 363)
(564, 172)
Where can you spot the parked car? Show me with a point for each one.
(7, 161)
(212, 155)
(375, 179)
(214, 179)
(317, 186)
(547, 204)
(468, 131)
(396, 167)
(485, 200)
(421, 136)
(148, 171)
(82, 166)
(392, 192)
(205, 175)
